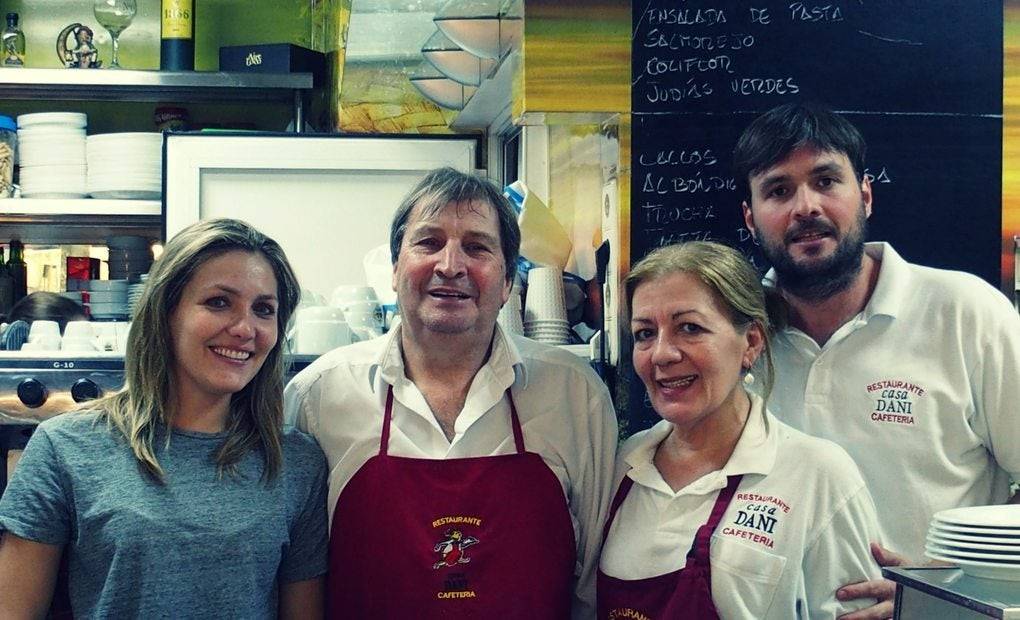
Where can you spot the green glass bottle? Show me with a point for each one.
(18, 269)
(6, 288)
(177, 35)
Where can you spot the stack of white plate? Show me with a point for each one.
(107, 299)
(125, 165)
(51, 153)
(984, 541)
(135, 293)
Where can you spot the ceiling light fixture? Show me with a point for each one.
(479, 26)
(453, 62)
(440, 89)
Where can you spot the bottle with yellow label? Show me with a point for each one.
(177, 35)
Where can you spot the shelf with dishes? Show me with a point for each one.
(40, 208)
(158, 86)
(131, 85)
(81, 220)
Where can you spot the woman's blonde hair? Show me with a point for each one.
(140, 410)
(732, 279)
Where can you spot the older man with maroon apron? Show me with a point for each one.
(469, 468)
(404, 521)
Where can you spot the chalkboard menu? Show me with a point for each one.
(921, 80)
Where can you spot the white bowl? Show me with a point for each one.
(107, 285)
(69, 119)
(42, 328)
(78, 329)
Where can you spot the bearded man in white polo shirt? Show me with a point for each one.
(469, 468)
(914, 371)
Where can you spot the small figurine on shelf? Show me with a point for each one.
(84, 54)
(13, 43)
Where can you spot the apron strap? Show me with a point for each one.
(621, 494)
(700, 548)
(515, 423)
(384, 439)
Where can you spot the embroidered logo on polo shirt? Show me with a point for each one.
(452, 549)
(894, 401)
(756, 518)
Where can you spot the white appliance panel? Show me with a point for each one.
(327, 200)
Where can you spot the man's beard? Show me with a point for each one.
(820, 279)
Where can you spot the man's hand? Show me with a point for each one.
(881, 589)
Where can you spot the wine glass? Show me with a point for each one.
(115, 16)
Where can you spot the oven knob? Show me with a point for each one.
(32, 393)
(85, 389)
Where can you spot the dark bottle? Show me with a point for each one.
(177, 35)
(6, 288)
(18, 270)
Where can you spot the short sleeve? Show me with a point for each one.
(305, 556)
(300, 402)
(37, 504)
(995, 384)
(841, 555)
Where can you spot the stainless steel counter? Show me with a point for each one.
(947, 593)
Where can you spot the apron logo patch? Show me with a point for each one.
(894, 401)
(626, 613)
(756, 519)
(452, 548)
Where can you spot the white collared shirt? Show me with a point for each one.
(797, 529)
(566, 415)
(922, 388)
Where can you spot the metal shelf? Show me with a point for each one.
(75, 207)
(51, 221)
(129, 85)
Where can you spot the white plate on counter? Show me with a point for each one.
(974, 531)
(1003, 557)
(969, 544)
(978, 568)
(1005, 516)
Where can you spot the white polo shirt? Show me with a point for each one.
(922, 388)
(566, 415)
(797, 529)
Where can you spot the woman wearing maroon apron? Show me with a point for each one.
(723, 511)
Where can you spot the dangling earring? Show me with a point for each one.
(748, 378)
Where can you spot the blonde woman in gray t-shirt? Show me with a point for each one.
(181, 495)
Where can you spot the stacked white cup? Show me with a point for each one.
(78, 336)
(43, 336)
(510, 314)
(361, 308)
(545, 310)
(318, 329)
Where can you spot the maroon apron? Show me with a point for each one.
(684, 593)
(485, 537)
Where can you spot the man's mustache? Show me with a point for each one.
(809, 228)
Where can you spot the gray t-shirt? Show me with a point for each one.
(200, 546)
